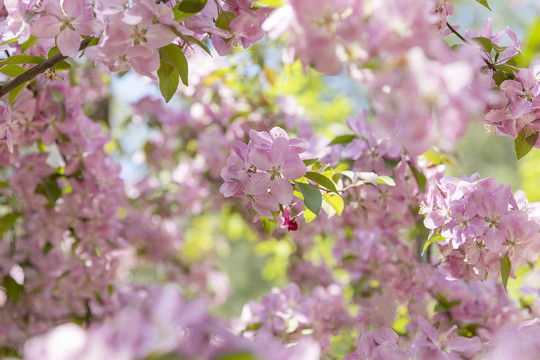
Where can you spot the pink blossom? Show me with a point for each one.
(66, 21)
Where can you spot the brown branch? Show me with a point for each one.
(38, 69)
(454, 31)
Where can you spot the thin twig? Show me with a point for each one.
(38, 69)
(454, 31)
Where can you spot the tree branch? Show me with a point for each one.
(489, 64)
(38, 69)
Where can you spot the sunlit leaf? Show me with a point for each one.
(506, 266)
(312, 196)
(524, 143)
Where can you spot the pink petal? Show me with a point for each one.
(84, 25)
(220, 45)
(293, 167)
(282, 190)
(45, 27)
(260, 159)
(428, 330)
(68, 42)
(159, 35)
(230, 188)
(144, 60)
(280, 147)
(493, 239)
(258, 183)
(264, 204)
(465, 346)
(72, 8)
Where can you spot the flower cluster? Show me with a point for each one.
(289, 314)
(481, 223)
(516, 107)
(267, 163)
(154, 322)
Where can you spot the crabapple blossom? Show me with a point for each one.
(268, 162)
(481, 223)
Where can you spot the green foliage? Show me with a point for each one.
(173, 55)
(168, 80)
(13, 289)
(485, 3)
(342, 139)
(312, 196)
(50, 189)
(7, 222)
(269, 225)
(485, 43)
(238, 356)
(420, 178)
(224, 20)
(192, 6)
(524, 143)
(506, 266)
(432, 239)
(321, 180)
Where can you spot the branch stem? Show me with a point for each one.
(38, 69)
(454, 31)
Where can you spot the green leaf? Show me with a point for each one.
(169, 356)
(192, 6)
(238, 356)
(358, 286)
(47, 248)
(62, 65)
(269, 225)
(343, 139)
(22, 59)
(7, 221)
(524, 143)
(224, 20)
(309, 216)
(434, 238)
(93, 42)
(13, 288)
(268, 3)
(321, 180)
(312, 196)
(12, 70)
(390, 164)
(253, 327)
(198, 42)
(506, 266)
(420, 178)
(173, 55)
(49, 188)
(498, 48)
(484, 2)
(57, 95)
(384, 179)
(484, 42)
(168, 80)
(10, 41)
(499, 76)
(336, 202)
(433, 156)
(13, 94)
(53, 51)
(309, 162)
